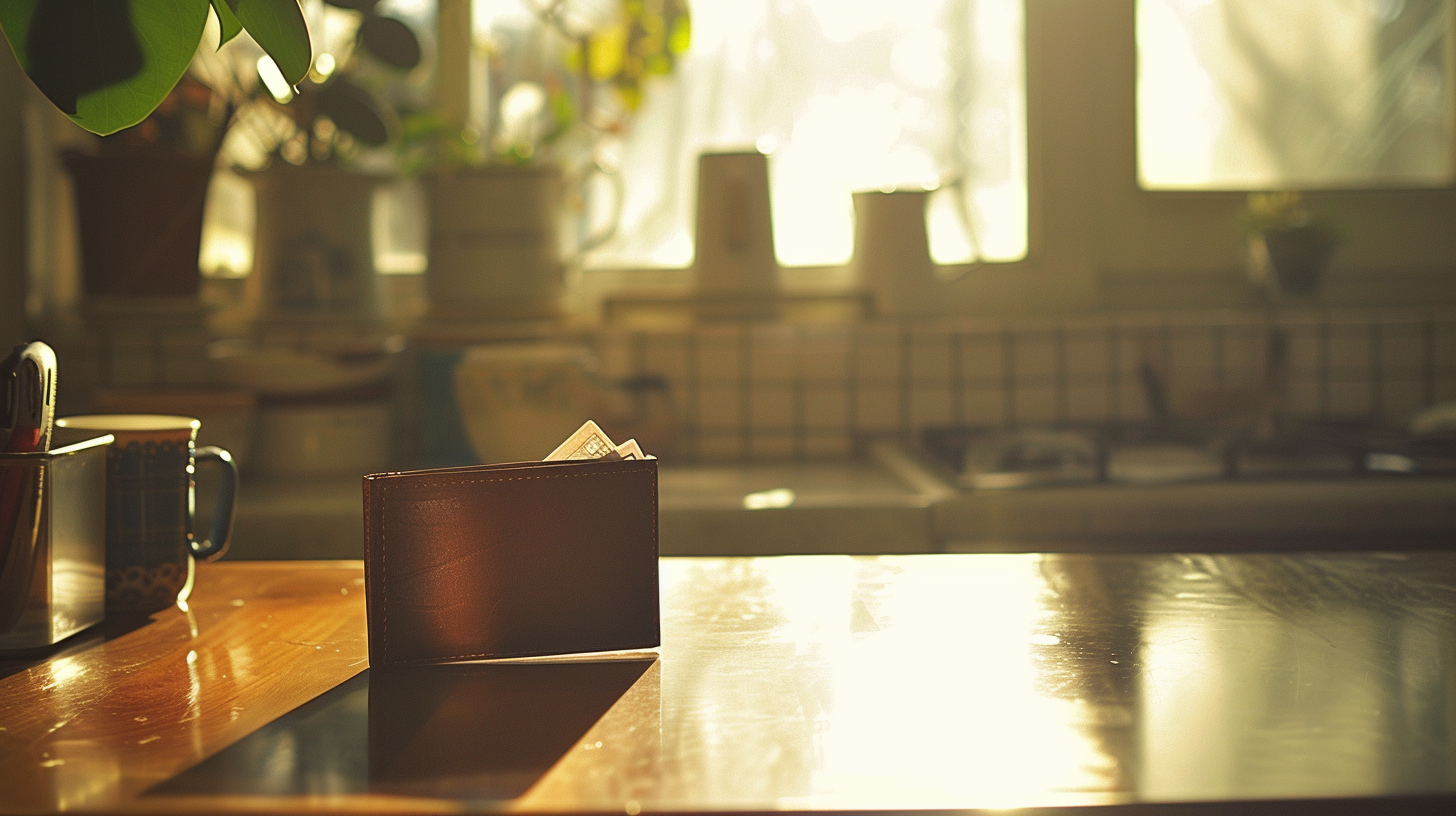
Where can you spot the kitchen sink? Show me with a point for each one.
(880, 504)
(1204, 516)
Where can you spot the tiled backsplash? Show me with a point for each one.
(805, 391)
(746, 392)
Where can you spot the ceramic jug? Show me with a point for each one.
(892, 253)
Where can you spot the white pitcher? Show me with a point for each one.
(892, 253)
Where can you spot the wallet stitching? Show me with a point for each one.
(525, 478)
(384, 594)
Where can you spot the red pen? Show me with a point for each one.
(28, 388)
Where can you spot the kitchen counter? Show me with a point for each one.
(1314, 683)
(851, 506)
(892, 501)
(1363, 513)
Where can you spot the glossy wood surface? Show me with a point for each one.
(801, 683)
(121, 708)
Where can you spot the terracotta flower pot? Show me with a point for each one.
(140, 219)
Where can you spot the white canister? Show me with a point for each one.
(734, 237)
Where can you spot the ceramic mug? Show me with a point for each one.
(150, 546)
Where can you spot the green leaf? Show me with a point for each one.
(14, 23)
(106, 64)
(355, 111)
(227, 22)
(391, 41)
(279, 28)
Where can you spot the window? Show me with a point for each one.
(1269, 94)
(844, 95)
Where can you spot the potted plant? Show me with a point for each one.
(494, 247)
(1288, 241)
(141, 192)
(140, 197)
(498, 200)
(313, 245)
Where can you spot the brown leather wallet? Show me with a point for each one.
(511, 560)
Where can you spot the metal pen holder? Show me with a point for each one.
(52, 543)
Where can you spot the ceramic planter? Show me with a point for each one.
(314, 251)
(495, 243)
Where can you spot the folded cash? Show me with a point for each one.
(591, 442)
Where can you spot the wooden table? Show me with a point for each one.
(799, 683)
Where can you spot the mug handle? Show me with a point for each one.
(221, 533)
(619, 199)
(956, 184)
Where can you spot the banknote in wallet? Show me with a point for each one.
(591, 442)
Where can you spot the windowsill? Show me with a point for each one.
(828, 294)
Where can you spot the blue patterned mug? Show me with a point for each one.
(150, 546)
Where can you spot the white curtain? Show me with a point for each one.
(1268, 94)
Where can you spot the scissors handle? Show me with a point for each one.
(28, 376)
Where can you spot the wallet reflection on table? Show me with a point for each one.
(471, 731)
